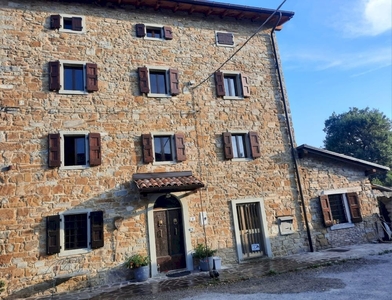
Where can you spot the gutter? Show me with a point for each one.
(293, 149)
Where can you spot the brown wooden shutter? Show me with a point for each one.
(54, 76)
(143, 79)
(77, 24)
(326, 209)
(227, 145)
(54, 157)
(148, 156)
(225, 38)
(167, 31)
(91, 77)
(355, 208)
(245, 85)
(174, 86)
(52, 234)
(180, 146)
(220, 84)
(96, 227)
(254, 144)
(140, 30)
(55, 22)
(94, 140)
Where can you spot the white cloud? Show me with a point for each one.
(368, 17)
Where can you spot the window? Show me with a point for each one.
(68, 23)
(154, 32)
(163, 148)
(158, 82)
(232, 85)
(74, 150)
(225, 39)
(340, 209)
(73, 77)
(74, 232)
(241, 145)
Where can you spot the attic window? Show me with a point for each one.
(68, 23)
(225, 39)
(154, 32)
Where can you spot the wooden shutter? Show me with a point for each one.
(168, 33)
(140, 30)
(143, 80)
(225, 38)
(179, 139)
(54, 76)
(245, 85)
(254, 144)
(219, 83)
(326, 209)
(91, 77)
(148, 156)
(355, 209)
(55, 22)
(54, 159)
(77, 24)
(227, 145)
(174, 87)
(96, 227)
(52, 234)
(94, 140)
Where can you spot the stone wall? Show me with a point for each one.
(319, 175)
(30, 190)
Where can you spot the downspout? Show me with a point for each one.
(293, 151)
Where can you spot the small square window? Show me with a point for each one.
(75, 231)
(241, 145)
(154, 32)
(75, 153)
(163, 148)
(73, 77)
(158, 82)
(68, 23)
(232, 85)
(225, 39)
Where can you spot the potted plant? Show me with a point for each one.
(204, 254)
(140, 265)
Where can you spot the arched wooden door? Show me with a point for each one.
(169, 234)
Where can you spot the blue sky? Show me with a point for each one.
(335, 54)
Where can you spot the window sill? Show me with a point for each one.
(74, 252)
(74, 167)
(157, 163)
(342, 226)
(154, 39)
(241, 159)
(224, 45)
(158, 95)
(68, 92)
(72, 31)
(232, 98)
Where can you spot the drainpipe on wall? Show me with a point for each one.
(293, 151)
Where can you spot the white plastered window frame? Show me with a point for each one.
(62, 149)
(172, 145)
(64, 252)
(164, 70)
(264, 227)
(149, 26)
(63, 63)
(343, 192)
(223, 45)
(69, 16)
(247, 145)
(238, 84)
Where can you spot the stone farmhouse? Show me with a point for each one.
(151, 126)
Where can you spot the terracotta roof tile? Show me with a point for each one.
(167, 184)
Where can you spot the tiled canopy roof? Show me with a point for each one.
(166, 182)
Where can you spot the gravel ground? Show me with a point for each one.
(368, 278)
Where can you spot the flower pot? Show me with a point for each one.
(142, 273)
(206, 264)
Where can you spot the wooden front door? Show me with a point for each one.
(169, 239)
(249, 223)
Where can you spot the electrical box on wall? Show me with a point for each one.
(285, 225)
(203, 218)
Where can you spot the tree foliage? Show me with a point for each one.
(362, 133)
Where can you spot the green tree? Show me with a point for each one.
(362, 133)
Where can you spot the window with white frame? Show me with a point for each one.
(74, 232)
(68, 23)
(232, 85)
(225, 39)
(154, 32)
(340, 208)
(163, 147)
(73, 77)
(158, 81)
(74, 149)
